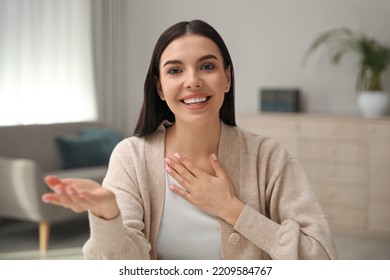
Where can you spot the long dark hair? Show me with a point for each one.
(154, 110)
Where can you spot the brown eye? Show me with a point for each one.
(208, 66)
(174, 71)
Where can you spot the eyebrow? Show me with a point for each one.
(199, 60)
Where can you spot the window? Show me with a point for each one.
(46, 62)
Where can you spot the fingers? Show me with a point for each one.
(187, 174)
(69, 198)
(77, 201)
(183, 165)
(183, 193)
(50, 198)
(52, 181)
(82, 195)
(65, 194)
(189, 171)
(189, 165)
(182, 170)
(219, 171)
(59, 197)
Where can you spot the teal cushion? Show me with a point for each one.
(81, 151)
(111, 135)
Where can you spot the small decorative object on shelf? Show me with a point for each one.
(279, 100)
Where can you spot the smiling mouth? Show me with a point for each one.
(195, 101)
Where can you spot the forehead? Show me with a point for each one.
(190, 46)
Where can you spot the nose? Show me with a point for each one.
(193, 80)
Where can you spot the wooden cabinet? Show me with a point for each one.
(333, 154)
(347, 160)
(378, 143)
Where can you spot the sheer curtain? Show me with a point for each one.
(110, 59)
(46, 62)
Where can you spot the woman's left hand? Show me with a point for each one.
(213, 194)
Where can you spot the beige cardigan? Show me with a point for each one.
(281, 220)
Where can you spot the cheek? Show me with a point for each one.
(171, 91)
(219, 84)
(169, 86)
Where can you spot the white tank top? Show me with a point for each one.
(186, 232)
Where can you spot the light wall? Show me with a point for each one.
(267, 40)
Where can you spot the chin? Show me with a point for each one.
(199, 120)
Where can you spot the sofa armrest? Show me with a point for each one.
(20, 188)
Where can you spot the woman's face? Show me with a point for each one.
(193, 80)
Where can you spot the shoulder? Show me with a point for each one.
(253, 142)
(256, 151)
(140, 147)
(251, 156)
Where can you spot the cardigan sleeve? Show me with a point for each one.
(295, 227)
(122, 237)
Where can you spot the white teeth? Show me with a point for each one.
(194, 100)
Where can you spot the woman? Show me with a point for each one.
(190, 184)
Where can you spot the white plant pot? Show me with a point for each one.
(374, 104)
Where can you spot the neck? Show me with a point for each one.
(194, 141)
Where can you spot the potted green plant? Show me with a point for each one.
(374, 58)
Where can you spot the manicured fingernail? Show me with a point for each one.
(45, 200)
(172, 187)
(177, 155)
(168, 169)
(57, 190)
(214, 156)
(167, 160)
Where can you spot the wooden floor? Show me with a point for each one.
(20, 241)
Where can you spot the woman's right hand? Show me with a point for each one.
(81, 195)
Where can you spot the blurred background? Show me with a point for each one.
(73, 61)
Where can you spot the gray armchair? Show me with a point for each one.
(27, 154)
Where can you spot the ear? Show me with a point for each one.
(160, 91)
(228, 73)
